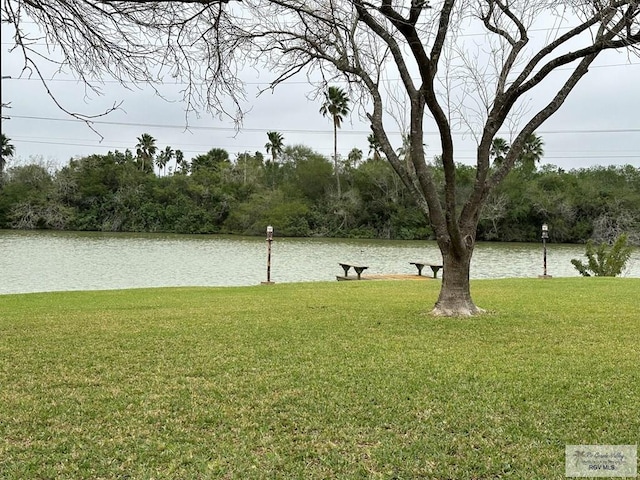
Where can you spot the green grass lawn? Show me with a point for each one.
(317, 380)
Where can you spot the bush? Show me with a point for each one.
(605, 260)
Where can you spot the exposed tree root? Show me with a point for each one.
(457, 311)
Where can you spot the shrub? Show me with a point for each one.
(605, 260)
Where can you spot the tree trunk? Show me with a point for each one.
(455, 294)
(335, 158)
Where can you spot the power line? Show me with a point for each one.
(478, 34)
(287, 82)
(242, 149)
(95, 144)
(304, 131)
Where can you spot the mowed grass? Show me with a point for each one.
(317, 381)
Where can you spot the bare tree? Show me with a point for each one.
(136, 42)
(446, 80)
(494, 210)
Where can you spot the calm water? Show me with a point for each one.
(51, 261)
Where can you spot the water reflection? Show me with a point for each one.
(48, 261)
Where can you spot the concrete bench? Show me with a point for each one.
(421, 265)
(347, 266)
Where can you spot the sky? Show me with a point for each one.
(598, 124)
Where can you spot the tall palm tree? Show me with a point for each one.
(532, 152)
(146, 150)
(275, 144)
(499, 149)
(8, 150)
(336, 105)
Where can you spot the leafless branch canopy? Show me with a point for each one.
(139, 42)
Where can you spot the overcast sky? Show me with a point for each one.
(599, 124)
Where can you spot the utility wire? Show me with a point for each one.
(304, 131)
(264, 84)
(571, 154)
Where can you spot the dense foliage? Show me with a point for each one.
(295, 191)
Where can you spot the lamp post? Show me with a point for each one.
(269, 241)
(545, 236)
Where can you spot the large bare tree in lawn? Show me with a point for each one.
(419, 55)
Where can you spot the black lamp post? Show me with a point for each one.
(545, 237)
(269, 241)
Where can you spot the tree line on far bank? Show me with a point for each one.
(294, 189)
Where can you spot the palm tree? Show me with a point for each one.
(161, 161)
(336, 105)
(499, 148)
(169, 154)
(8, 151)
(275, 144)
(164, 158)
(181, 163)
(146, 150)
(532, 152)
(404, 151)
(353, 159)
(374, 146)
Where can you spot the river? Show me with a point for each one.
(40, 261)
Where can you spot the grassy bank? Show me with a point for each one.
(318, 380)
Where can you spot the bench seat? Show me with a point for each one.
(434, 267)
(358, 269)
